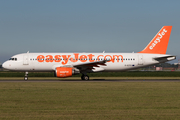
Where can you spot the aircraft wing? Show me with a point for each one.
(91, 66)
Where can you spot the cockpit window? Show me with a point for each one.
(13, 59)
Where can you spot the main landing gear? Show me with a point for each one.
(84, 77)
(26, 76)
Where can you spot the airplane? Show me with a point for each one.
(67, 64)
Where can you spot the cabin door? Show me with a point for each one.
(140, 59)
(25, 60)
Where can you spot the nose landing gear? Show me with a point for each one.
(26, 76)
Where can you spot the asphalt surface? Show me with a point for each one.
(95, 80)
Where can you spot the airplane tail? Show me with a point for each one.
(159, 43)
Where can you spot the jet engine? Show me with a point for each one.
(62, 72)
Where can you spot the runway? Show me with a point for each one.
(94, 80)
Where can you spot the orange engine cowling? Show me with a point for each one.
(63, 72)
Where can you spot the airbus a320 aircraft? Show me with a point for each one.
(67, 64)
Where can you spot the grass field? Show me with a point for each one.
(90, 100)
(91, 78)
(101, 74)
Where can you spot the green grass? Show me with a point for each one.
(90, 100)
(101, 74)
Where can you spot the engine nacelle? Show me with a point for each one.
(63, 72)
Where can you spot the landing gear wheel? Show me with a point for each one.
(84, 77)
(26, 78)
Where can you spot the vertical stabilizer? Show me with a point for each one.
(159, 43)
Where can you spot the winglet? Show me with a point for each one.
(159, 43)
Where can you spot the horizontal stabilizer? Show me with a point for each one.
(165, 58)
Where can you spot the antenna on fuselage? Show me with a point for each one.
(103, 51)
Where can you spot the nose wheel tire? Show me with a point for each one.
(84, 77)
(26, 78)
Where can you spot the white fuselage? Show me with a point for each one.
(49, 61)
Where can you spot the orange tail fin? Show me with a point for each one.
(159, 43)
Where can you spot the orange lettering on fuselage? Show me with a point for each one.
(117, 57)
(65, 59)
(91, 57)
(40, 58)
(98, 58)
(76, 57)
(108, 57)
(83, 58)
(57, 58)
(49, 58)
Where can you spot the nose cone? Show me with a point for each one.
(5, 65)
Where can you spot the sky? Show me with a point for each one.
(85, 25)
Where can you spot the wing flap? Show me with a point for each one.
(93, 66)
